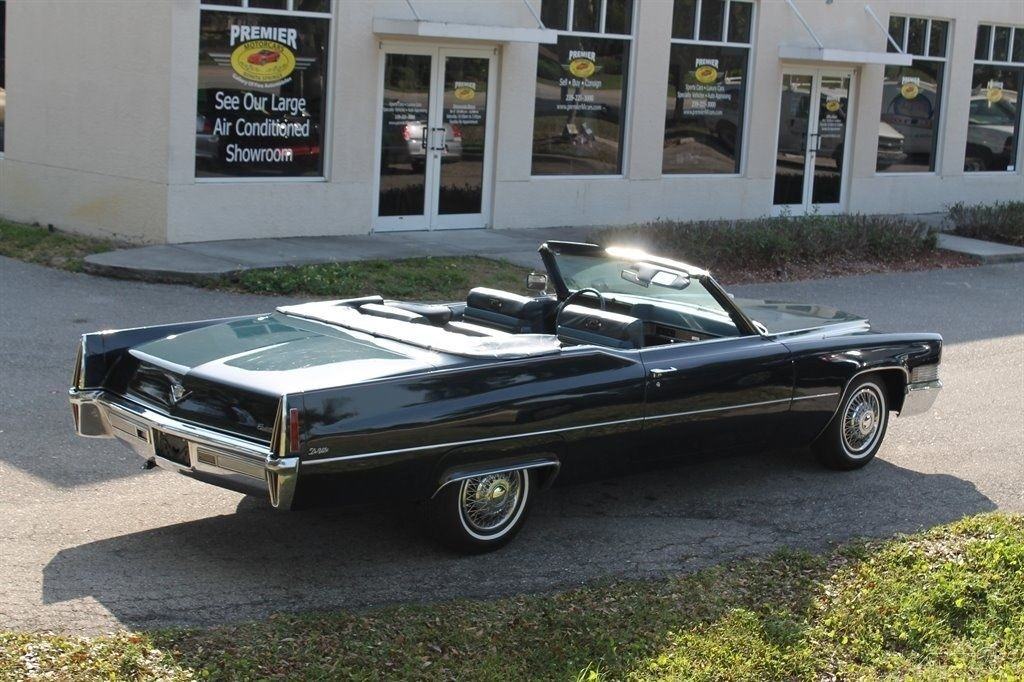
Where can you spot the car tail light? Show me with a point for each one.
(456, 131)
(406, 132)
(293, 430)
(78, 379)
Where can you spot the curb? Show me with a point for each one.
(157, 276)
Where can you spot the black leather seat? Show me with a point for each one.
(507, 311)
(578, 324)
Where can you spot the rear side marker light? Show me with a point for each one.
(293, 430)
(924, 373)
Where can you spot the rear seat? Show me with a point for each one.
(578, 324)
(507, 311)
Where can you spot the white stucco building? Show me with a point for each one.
(187, 120)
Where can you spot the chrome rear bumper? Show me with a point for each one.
(213, 457)
(920, 397)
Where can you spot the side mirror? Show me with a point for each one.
(537, 281)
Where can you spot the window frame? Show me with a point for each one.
(3, 73)
(328, 135)
(627, 106)
(750, 47)
(1016, 31)
(940, 139)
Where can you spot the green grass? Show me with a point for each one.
(944, 604)
(53, 248)
(430, 279)
(781, 243)
(999, 222)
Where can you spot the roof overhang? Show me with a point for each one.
(831, 55)
(416, 28)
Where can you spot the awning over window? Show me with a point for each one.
(835, 55)
(830, 55)
(495, 21)
(420, 28)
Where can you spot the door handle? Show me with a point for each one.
(659, 372)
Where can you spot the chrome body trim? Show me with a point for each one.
(920, 397)
(213, 457)
(485, 471)
(548, 432)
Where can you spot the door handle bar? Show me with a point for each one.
(659, 372)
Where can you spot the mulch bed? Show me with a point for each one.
(824, 270)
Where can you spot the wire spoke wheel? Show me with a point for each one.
(489, 503)
(862, 420)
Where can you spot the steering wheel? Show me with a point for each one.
(576, 294)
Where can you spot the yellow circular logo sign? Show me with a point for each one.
(832, 105)
(581, 67)
(465, 93)
(994, 95)
(263, 61)
(706, 74)
(909, 90)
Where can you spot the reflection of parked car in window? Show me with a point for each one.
(207, 143)
(890, 146)
(406, 143)
(913, 118)
(990, 132)
(263, 57)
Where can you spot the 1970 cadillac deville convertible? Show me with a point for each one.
(474, 406)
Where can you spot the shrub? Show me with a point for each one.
(775, 242)
(998, 222)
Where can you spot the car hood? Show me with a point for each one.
(280, 354)
(780, 317)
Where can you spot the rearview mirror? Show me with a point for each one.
(646, 274)
(537, 281)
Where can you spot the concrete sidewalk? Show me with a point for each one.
(201, 260)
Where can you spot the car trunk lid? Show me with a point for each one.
(232, 376)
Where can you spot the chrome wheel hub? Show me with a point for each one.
(488, 502)
(862, 420)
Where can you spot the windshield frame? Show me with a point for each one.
(550, 250)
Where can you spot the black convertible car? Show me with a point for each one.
(474, 406)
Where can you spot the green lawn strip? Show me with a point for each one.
(53, 248)
(780, 242)
(999, 222)
(947, 603)
(432, 278)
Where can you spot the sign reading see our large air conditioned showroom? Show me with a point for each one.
(260, 109)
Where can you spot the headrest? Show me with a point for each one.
(581, 324)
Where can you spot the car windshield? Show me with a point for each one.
(604, 273)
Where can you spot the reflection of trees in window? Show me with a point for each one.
(581, 88)
(912, 96)
(707, 82)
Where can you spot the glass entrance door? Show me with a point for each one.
(435, 139)
(811, 159)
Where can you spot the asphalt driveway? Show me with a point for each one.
(90, 542)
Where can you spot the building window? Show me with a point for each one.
(707, 85)
(993, 124)
(579, 117)
(3, 65)
(262, 88)
(912, 96)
